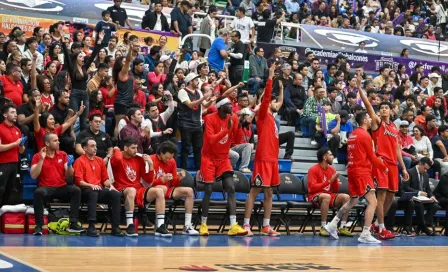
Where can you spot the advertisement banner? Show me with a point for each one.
(172, 41)
(27, 24)
(377, 44)
(371, 63)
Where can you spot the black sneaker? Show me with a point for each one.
(130, 231)
(24, 164)
(75, 228)
(92, 232)
(162, 231)
(37, 230)
(116, 231)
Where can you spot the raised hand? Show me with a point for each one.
(43, 153)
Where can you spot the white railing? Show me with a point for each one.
(194, 35)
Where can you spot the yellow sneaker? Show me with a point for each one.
(267, 231)
(323, 232)
(203, 231)
(236, 230)
(345, 232)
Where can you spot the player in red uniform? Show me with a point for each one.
(323, 187)
(361, 157)
(215, 163)
(168, 179)
(388, 149)
(265, 174)
(128, 170)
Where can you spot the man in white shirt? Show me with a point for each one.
(244, 25)
(112, 46)
(32, 45)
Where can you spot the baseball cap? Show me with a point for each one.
(190, 77)
(404, 124)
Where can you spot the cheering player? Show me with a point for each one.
(388, 149)
(360, 182)
(128, 170)
(215, 163)
(265, 174)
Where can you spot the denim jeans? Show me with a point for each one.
(309, 122)
(254, 85)
(76, 97)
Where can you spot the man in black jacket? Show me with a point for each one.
(419, 182)
(155, 20)
(295, 97)
(441, 194)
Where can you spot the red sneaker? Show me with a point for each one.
(385, 235)
(374, 228)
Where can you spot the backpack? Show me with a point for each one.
(61, 227)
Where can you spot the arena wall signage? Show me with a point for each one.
(379, 44)
(27, 24)
(371, 63)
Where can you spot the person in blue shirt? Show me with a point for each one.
(340, 128)
(107, 26)
(218, 53)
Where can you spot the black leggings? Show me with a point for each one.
(229, 188)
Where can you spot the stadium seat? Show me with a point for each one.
(242, 189)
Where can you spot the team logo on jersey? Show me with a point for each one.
(258, 181)
(224, 140)
(160, 173)
(130, 173)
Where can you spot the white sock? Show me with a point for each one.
(343, 223)
(334, 222)
(232, 220)
(187, 220)
(247, 221)
(160, 219)
(129, 218)
(365, 231)
(381, 226)
(266, 222)
(323, 223)
(376, 223)
(204, 220)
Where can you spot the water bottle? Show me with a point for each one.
(246, 71)
(437, 176)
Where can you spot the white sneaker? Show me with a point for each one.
(332, 231)
(368, 239)
(189, 230)
(313, 143)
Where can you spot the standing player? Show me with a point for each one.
(388, 149)
(360, 182)
(265, 174)
(215, 163)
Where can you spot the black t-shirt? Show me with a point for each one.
(102, 140)
(265, 30)
(118, 14)
(59, 117)
(238, 47)
(26, 110)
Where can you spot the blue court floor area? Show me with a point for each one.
(211, 241)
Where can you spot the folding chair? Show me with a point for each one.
(242, 189)
(359, 207)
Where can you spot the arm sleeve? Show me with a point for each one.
(262, 113)
(67, 59)
(95, 52)
(116, 158)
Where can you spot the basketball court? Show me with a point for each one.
(219, 253)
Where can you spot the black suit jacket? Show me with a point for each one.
(150, 19)
(413, 184)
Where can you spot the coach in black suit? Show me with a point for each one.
(419, 182)
(441, 193)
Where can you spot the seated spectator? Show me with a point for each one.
(407, 145)
(421, 118)
(61, 113)
(25, 116)
(440, 147)
(103, 145)
(95, 82)
(310, 112)
(406, 115)
(134, 130)
(12, 85)
(139, 95)
(169, 179)
(258, 68)
(340, 128)
(51, 167)
(243, 142)
(91, 176)
(160, 130)
(332, 96)
(322, 131)
(441, 195)
(431, 126)
(295, 97)
(323, 187)
(419, 182)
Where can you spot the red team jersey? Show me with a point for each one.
(160, 170)
(319, 181)
(385, 139)
(217, 137)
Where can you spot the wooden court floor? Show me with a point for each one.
(235, 255)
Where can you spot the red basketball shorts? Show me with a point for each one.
(265, 174)
(315, 199)
(140, 197)
(389, 180)
(211, 169)
(359, 185)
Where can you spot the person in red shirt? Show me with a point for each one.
(129, 170)
(168, 178)
(11, 144)
(51, 167)
(44, 123)
(215, 163)
(12, 85)
(361, 157)
(139, 95)
(91, 176)
(388, 148)
(323, 187)
(265, 174)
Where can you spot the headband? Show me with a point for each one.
(222, 102)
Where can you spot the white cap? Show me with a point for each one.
(190, 77)
(164, 58)
(433, 75)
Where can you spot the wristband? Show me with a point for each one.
(70, 161)
(23, 141)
